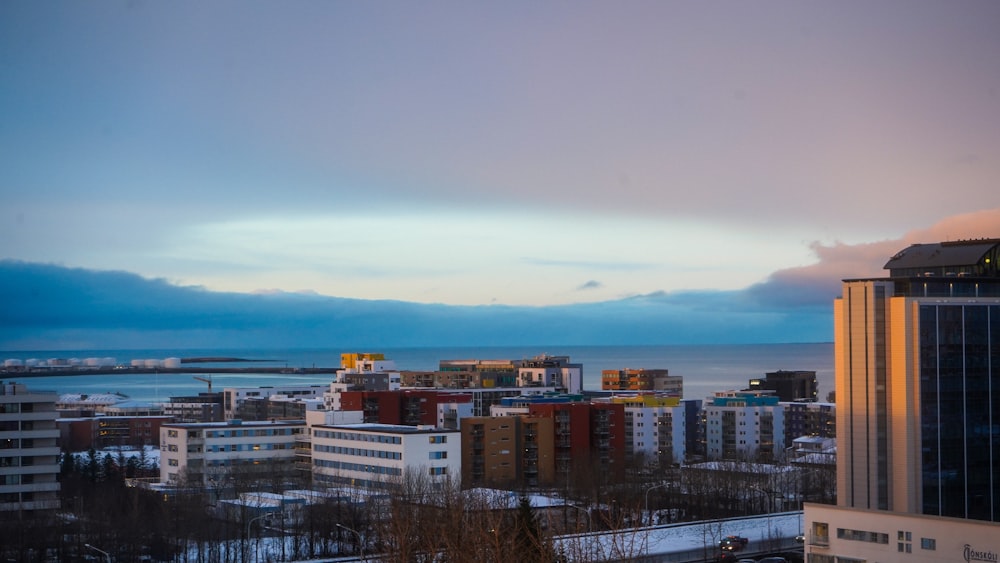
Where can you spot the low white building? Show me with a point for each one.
(380, 455)
(835, 533)
(208, 453)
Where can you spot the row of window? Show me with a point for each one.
(359, 436)
(359, 452)
(362, 467)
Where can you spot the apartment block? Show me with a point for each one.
(412, 407)
(744, 425)
(800, 385)
(655, 427)
(379, 456)
(508, 451)
(29, 452)
(658, 380)
(209, 453)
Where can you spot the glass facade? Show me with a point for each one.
(960, 409)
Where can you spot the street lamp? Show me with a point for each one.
(361, 541)
(667, 484)
(107, 556)
(585, 511)
(250, 523)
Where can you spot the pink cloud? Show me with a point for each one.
(819, 283)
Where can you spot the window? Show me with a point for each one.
(172, 433)
(438, 439)
(928, 543)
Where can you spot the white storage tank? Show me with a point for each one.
(138, 363)
(13, 363)
(153, 363)
(172, 363)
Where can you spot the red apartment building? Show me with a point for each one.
(408, 406)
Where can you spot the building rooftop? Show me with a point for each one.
(959, 258)
(391, 428)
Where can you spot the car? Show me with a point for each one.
(746, 561)
(733, 543)
(773, 560)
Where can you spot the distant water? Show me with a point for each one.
(706, 368)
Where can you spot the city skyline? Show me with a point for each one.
(720, 157)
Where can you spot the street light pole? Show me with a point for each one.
(361, 541)
(584, 510)
(107, 556)
(647, 499)
(250, 523)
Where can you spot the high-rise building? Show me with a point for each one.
(918, 383)
(918, 411)
(29, 454)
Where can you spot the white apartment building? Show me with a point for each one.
(29, 451)
(380, 455)
(655, 427)
(744, 425)
(206, 452)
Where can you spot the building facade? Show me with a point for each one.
(508, 451)
(918, 387)
(29, 453)
(381, 456)
(211, 453)
(641, 379)
(743, 425)
(800, 385)
(918, 383)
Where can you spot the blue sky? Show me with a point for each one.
(516, 153)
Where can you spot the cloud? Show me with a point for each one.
(590, 284)
(48, 307)
(817, 284)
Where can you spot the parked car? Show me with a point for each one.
(773, 560)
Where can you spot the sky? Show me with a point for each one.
(521, 154)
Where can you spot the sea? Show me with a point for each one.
(706, 368)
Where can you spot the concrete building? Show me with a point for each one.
(380, 456)
(101, 432)
(789, 386)
(212, 452)
(744, 425)
(361, 372)
(511, 451)
(917, 385)
(29, 452)
(551, 371)
(409, 407)
(809, 419)
(234, 397)
(658, 380)
(655, 427)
